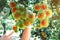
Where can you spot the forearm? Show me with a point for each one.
(26, 34)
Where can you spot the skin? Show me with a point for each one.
(26, 34)
(6, 37)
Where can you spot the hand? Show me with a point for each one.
(6, 37)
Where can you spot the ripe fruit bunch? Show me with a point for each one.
(16, 11)
(26, 22)
(39, 6)
(43, 15)
(21, 15)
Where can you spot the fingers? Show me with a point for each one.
(10, 34)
